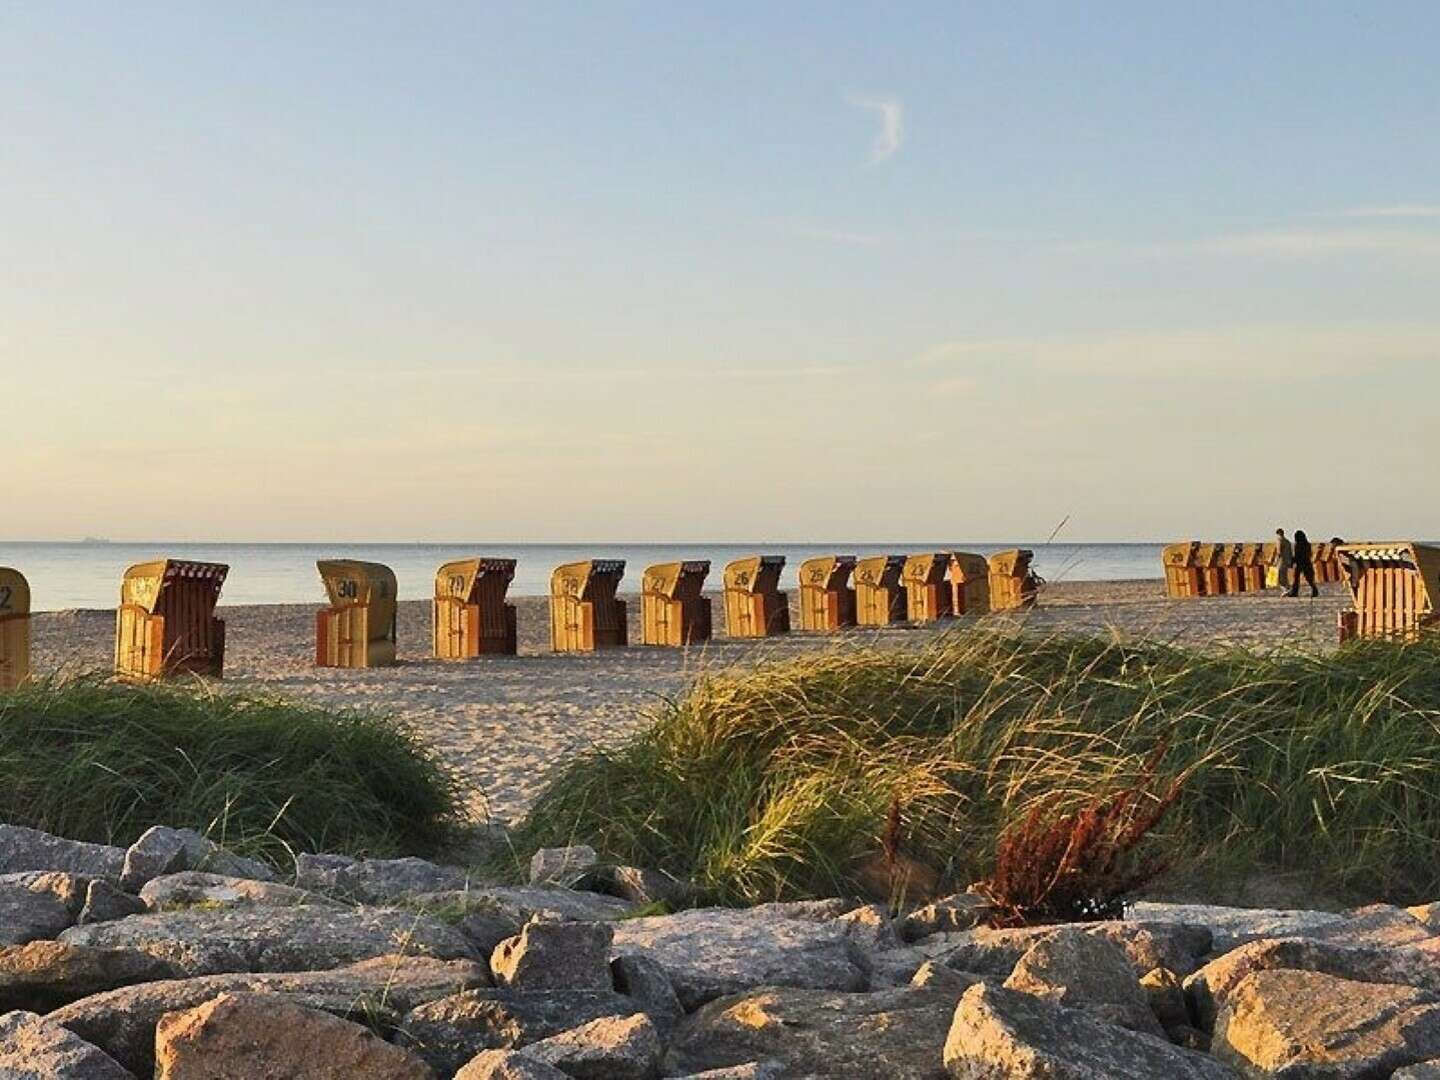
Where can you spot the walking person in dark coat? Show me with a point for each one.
(1304, 565)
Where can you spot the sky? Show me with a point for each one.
(654, 271)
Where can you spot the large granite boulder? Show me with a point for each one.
(32, 1048)
(376, 881)
(1210, 988)
(276, 939)
(885, 1035)
(247, 1036)
(1232, 927)
(1379, 925)
(163, 850)
(950, 914)
(1000, 1034)
(23, 849)
(643, 979)
(105, 902)
(32, 909)
(1085, 971)
(994, 953)
(1308, 1024)
(563, 866)
(710, 952)
(555, 956)
(44, 975)
(196, 888)
(507, 1065)
(122, 1022)
(449, 1031)
(525, 902)
(610, 1048)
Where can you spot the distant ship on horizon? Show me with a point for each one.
(96, 540)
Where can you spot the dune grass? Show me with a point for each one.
(92, 760)
(775, 783)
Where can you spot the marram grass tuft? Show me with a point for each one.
(775, 782)
(99, 761)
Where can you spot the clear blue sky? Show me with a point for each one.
(679, 271)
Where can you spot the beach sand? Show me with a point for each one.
(504, 722)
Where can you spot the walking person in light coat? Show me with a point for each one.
(1284, 560)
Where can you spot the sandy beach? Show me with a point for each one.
(504, 722)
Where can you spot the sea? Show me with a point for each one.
(80, 575)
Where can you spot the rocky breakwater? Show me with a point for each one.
(178, 959)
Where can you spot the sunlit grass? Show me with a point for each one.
(93, 760)
(774, 782)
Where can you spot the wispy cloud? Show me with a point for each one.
(1257, 353)
(1398, 210)
(891, 135)
(1324, 241)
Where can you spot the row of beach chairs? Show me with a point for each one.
(166, 623)
(1195, 568)
(1394, 586)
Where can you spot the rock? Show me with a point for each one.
(69, 889)
(939, 977)
(31, 1048)
(611, 1048)
(1085, 971)
(376, 881)
(555, 956)
(196, 888)
(23, 849)
(1192, 939)
(275, 939)
(1307, 1024)
(1000, 1034)
(29, 912)
(450, 1031)
(1428, 1070)
(1166, 997)
(877, 949)
(243, 1036)
(523, 902)
(886, 1035)
(486, 926)
(163, 850)
(105, 903)
(751, 1070)
(710, 951)
(160, 850)
(1232, 926)
(871, 928)
(646, 887)
(891, 968)
(204, 855)
(1210, 987)
(995, 953)
(645, 981)
(1378, 924)
(563, 866)
(814, 910)
(1173, 946)
(122, 1022)
(963, 911)
(44, 975)
(507, 1065)
(1429, 915)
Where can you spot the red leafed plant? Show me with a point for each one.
(1079, 865)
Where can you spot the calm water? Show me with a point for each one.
(88, 575)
